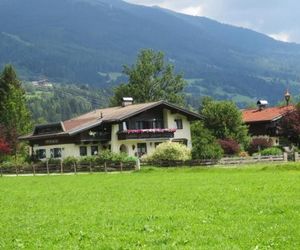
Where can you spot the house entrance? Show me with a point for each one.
(123, 149)
(141, 149)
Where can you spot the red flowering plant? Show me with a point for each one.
(230, 146)
(154, 130)
(4, 148)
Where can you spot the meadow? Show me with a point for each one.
(255, 207)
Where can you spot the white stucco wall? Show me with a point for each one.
(184, 133)
(68, 149)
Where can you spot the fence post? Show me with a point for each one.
(33, 168)
(75, 170)
(285, 156)
(47, 166)
(61, 167)
(1, 174)
(121, 165)
(105, 167)
(296, 158)
(17, 173)
(90, 165)
(138, 164)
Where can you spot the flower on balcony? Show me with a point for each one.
(152, 131)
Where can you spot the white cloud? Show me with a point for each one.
(193, 10)
(284, 37)
(276, 17)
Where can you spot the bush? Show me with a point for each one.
(54, 161)
(205, 145)
(271, 151)
(171, 151)
(243, 154)
(107, 155)
(70, 161)
(87, 159)
(259, 143)
(230, 146)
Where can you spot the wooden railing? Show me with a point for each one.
(223, 161)
(60, 168)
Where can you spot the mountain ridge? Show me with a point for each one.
(85, 41)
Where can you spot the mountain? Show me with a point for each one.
(88, 41)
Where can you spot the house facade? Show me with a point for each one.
(265, 121)
(135, 129)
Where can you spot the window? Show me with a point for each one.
(94, 150)
(156, 144)
(41, 154)
(55, 152)
(179, 123)
(141, 149)
(83, 151)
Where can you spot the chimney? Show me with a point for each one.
(126, 101)
(262, 104)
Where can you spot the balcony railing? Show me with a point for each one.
(146, 134)
(95, 137)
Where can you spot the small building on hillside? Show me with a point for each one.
(265, 121)
(135, 129)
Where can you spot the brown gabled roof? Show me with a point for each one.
(113, 114)
(266, 114)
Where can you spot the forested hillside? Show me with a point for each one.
(88, 41)
(61, 102)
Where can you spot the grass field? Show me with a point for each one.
(245, 208)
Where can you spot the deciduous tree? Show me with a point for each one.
(224, 120)
(151, 79)
(290, 125)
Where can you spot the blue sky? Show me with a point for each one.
(279, 19)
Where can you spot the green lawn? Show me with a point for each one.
(246, 208)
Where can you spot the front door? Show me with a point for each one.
(141, 149)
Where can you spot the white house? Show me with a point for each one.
(135, 129)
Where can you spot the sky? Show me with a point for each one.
(279, 19)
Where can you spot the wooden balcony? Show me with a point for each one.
(97, 137)
(146, 134)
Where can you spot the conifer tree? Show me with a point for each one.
(14, 114)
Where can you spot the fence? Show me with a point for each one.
(60, 167)
(223, 161)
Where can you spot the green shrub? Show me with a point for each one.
(7, 165)
(54, 161)
(15, 161)
(271, 151)
(129, 159)
(171, 151)
(105, 155)
(70, 161)
(87, 159)
(205, 145)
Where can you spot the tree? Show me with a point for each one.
(290, 125)
(224, 120)
(205, 145)
(151, 79)
(14, 114)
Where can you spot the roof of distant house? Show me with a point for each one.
(266, 114)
